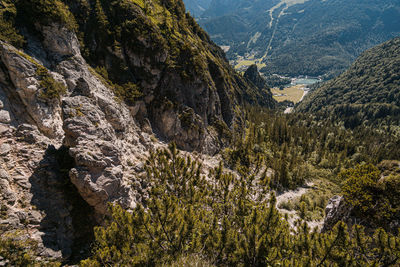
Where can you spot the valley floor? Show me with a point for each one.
(293, 93)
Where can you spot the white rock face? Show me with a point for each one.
(100, 132)
(4, 116)
(60, 41)
(25, 83)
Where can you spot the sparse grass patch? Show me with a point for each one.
(78, 111)
(153, 138)
(249, 62)
(17, 252)
(287, 205)
(292, 93)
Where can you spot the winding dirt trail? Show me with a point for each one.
(292, 194)
(292, 214)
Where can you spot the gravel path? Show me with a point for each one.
(292, 214)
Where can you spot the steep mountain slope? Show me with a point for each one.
(151, 53)
(368, 92)
(302, 37)
(231, 22)
(84, 85)
(169, 57)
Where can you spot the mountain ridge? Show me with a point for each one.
(368, 92)
(302, 41)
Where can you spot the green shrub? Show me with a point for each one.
(359, 186)
(372, 196)
(221, 221)
(51, 89)
(46, 12)
(15, 252)
(128, 92)
(8, 32)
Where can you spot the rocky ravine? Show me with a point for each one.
(88, 137)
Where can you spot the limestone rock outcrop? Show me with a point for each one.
(336, 210)
(87, 125)
(339, 210)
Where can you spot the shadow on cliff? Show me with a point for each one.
(68, 222)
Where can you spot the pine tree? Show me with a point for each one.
(221, 220)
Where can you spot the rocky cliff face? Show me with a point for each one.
(88, 125)
(188, 90)
(72, 138)
(254, 77)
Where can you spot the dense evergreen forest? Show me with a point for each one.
(231, 220)
(294, 38)
(367, 93)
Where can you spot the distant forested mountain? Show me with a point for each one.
(197, 7)
(367, 93)
(310, 37)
